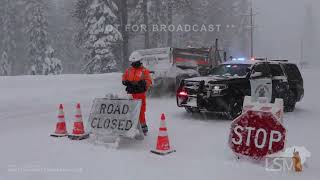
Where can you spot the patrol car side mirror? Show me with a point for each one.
(256, 75)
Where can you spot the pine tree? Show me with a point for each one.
(81, 14)
(8, 41)
(4, 65)
(158, 17)
(131, 12)
(61, 30)
(99, 35)
(52, 65)
(192, 14)
(37, 33)
(178, 7)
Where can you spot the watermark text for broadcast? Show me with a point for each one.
(38, 169)
(175, 27)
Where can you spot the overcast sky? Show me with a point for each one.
(280, 27)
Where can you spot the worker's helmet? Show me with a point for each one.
(135, 56)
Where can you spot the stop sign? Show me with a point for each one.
(256, 134)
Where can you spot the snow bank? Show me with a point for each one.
(28, 113)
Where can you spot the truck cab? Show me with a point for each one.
(169, 66)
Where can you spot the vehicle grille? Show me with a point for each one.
(192, 87)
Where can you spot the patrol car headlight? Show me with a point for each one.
(216, 87)
(220, 87)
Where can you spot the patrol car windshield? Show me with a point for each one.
(236, 70)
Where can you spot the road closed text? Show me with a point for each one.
(106, 123)
(112, 116)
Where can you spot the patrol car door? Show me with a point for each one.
(261, 82)
(279, 81)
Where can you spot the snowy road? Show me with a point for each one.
(28, 111)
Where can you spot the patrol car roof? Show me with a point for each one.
(252, 62)
(240, 62)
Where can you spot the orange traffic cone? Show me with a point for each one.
(163, 146)
(78, 132)
(61, 129)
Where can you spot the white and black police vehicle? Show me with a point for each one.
(223, 91)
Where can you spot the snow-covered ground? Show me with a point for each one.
(28, 110)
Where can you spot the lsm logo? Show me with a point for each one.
(292, 159)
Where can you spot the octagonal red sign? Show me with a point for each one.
(257, 134)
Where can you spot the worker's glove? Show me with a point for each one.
(130, 89)
(135, 87)
(142, 83)
(126, 83)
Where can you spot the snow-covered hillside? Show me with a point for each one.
(28, 110)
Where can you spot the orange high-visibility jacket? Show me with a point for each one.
(136, 74)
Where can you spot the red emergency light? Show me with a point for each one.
(183, 93)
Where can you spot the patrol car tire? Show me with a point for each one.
(235, 109)
(290, 103)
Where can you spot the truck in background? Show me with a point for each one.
(169, 66)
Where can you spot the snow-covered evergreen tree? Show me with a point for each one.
(157, 17)
(52, 65)
(99, 34)
(61, 29)
(8, 42)
(37, 32)
(4, 65)
(80, 13)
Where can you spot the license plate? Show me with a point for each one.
(192, 101)
(215, 92)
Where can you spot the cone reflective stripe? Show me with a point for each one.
(61, 129)
(163, 122)
(78, 128)
(78, 132)
(163, 145)
(163, 140)
(61, 124)
(163, 132)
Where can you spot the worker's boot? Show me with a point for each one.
(139, 136)
(144, 129)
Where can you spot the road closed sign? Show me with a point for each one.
(117, 117)
(256, 134)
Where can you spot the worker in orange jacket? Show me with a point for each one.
(137, 80)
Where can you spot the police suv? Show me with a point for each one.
(223, 91)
